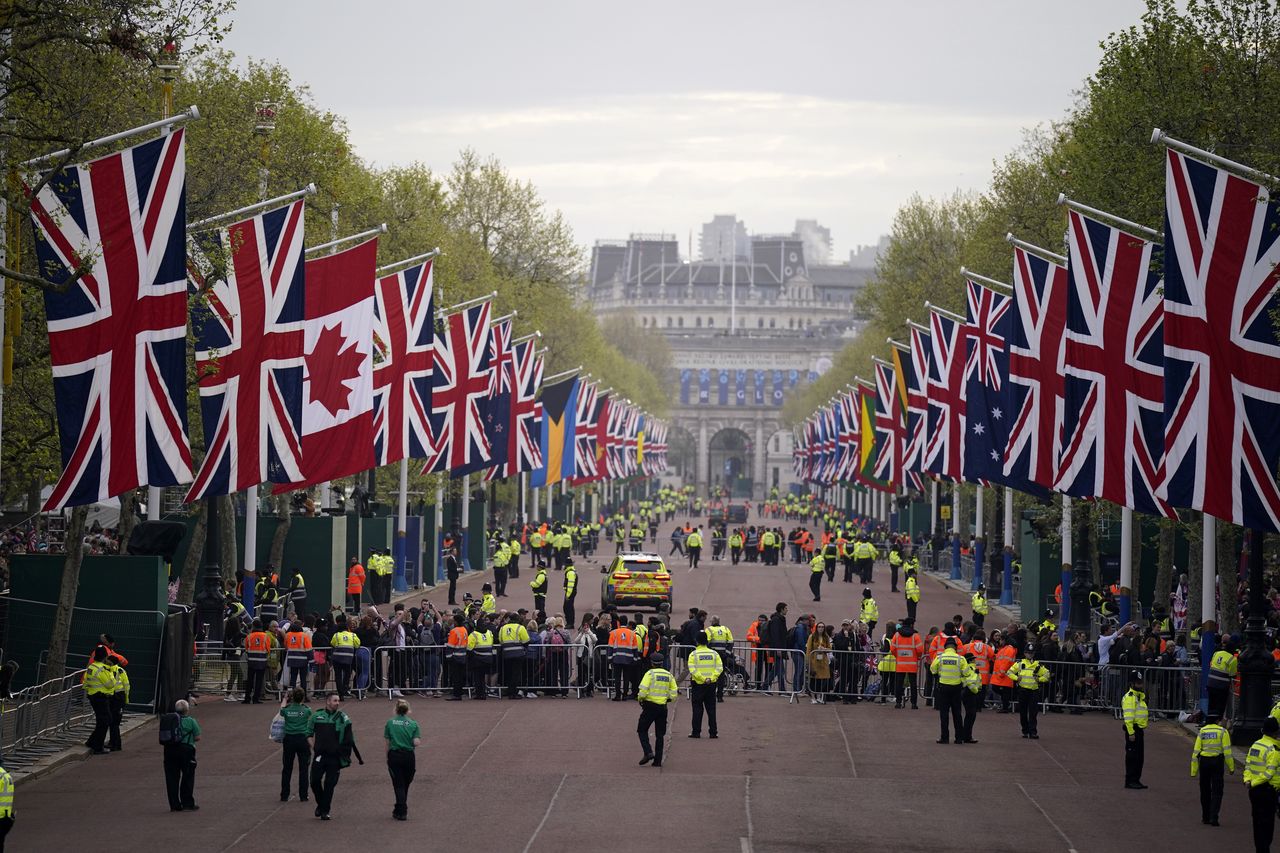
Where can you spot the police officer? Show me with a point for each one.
(705, 669)
(657, 690)
(693, 545)
(1028, 674)
(1133, 707)
(895, 563)
(1222, 672)
(539, 586)
(951, 671)
(570, 593)
(911, 589)
(501, 557)
(870, 612)
(480, 657)
(1262, 776)
(720, 639)
(1212, 751)
(980, 606)
(342, 654)
(815, 576)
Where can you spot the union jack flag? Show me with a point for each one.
(799, 451)
(889, 424)
(249, 354)
(631, 441)
(403, 333)
(614, 436)
(1222, 357)
(586, 435)
(944, 449)
(1034, 394)
(848, 432)
(117, 336)
(460, 382)
(655, 457)
(1113, 437)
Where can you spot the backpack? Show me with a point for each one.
(557, 637)
(170, 728)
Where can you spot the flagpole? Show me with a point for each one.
(326, 490)
(1126, 565)
(1067, 558)
(467, 304)
(1140, 230)
(1006, 586)
(332, 245)
(251, 209)
(950, 315)
(438, 537)
(955, 531)
(1159, 137)
(982, 279)
(407, 262)
(400, 581)
(1031, 248)
(979, 541)
(191, 113)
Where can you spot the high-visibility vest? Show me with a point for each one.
(1262, 766)
(570, 581)
(488, 604)
(300, 591)
(539, 582)
(1213, 741)
(258, 644)
(535, 540)
(982, 654)
(719, 637)
(355, 580)
(658, 686)
(980, 606)
(343, 647)
(972, 681)
(1133, 707)
(98, 679)
(817, 564)
(870, 610)
(6, 794)
(1222, 667)
(512, 637)
(705, 665)
(297, 648)
(950, 668)
(622, 646)
(1029, 674)
(457, 642)
(907, 651)
(912, 590)
(480, 643)
(694, 540)
(1004, 660)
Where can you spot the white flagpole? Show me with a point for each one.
(1209, 568)
(439, 534)
(402, 524)
(1126, 564)
(978, 538)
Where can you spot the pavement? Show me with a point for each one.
(553, 774)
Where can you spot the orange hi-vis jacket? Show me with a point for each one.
(1004, 659)
(753, 637)
(982, 655)
(355, 580)
(907, 651)
(297, 648)
(623, 645)
(258, 645)
(457, 643)
(936, 645)
(842, 547)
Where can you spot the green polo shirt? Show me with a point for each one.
(297, 719)
(401, 731)
(188, 731)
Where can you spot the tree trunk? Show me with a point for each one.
(195, 556)
(128, 517)
(227, 537)
(61, 634)
(276, 555)
(1195, 579)
(1164, 565)
(1229, 577)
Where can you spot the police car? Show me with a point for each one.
(636, 579)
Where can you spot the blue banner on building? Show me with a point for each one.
(724, 388)
(741, 388)
(686, 377)
(704, 386)
(759, 397)
(779, 391)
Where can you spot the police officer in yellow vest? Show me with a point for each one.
(980, 606)
(570, 593)
(513, 641)
(1262, 777)
(513, 566)
(816, 566)
(657, 690)
(1212, 752)
(501, 557)
(342, 654)
(735, 546)
(912, 591)
(951, 671)
(100, 686)
(720, 639)
(895, 563)
(693, 546)
(1133, 708)
(864, 553)
(6, 805)
(870, 610)
(539, 587)
(1028, 674)
(705, 669)
(1222, 671)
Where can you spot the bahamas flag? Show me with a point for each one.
(559, 433)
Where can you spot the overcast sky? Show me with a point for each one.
(654, 116)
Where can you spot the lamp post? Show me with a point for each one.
(1256, 663)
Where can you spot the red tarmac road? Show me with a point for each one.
(560, 774)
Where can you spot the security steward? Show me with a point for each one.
(298, 593)
(980, 606)
(1262, 777)
(539, 586)
(950, 670)
(334, 742)
(481, 654)
(297, 656)
(513, 641)
(657, 690)
(1134, 710)
(1028, 674)
(705, 669)
(355, 586)
(342, 654)
(1212, 752)
(257, 649)
(456, 656)
(720, 639)
(570, 592)
(624, 651)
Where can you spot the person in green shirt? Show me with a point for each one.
(402, 736)
(296, 746)
(180, 761)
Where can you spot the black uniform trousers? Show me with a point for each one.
(1028, 709)
(1211, 787)
(101, 705)
(893, 578)
(453, 589)
(257, 678)
(946, 698)
(570, 615)
(704, 701)
(499, 580)
(1134, 753)
(325, 770)
(815, 585)
(1262, 802)
(180, 774)
(848, 569)
(342, 677)
(911, 609)
(458, 676)
(979, 618)
(296, 748)
(116, 706)
(829, 566)
(652, 715)
(479, 671)
(970, 701)
(512, 670)
(402, 766)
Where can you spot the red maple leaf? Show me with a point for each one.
(329, 366)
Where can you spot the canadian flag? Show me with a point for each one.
(337, 387)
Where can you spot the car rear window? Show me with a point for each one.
(642, 566)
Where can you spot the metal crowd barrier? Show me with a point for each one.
(966, 568)
(748, 669)
(1170, 690)
(543, 669)
(43, 711)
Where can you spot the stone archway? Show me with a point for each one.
(730, 461)
(682, 454)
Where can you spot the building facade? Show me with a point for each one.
(744, 333)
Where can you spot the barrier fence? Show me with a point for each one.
(576, 670)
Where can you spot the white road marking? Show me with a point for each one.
(853, 771)
(551, 805)
(1059, 763)
(246, 833)
(476, 751)
(747, 846)
(1070, 847)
